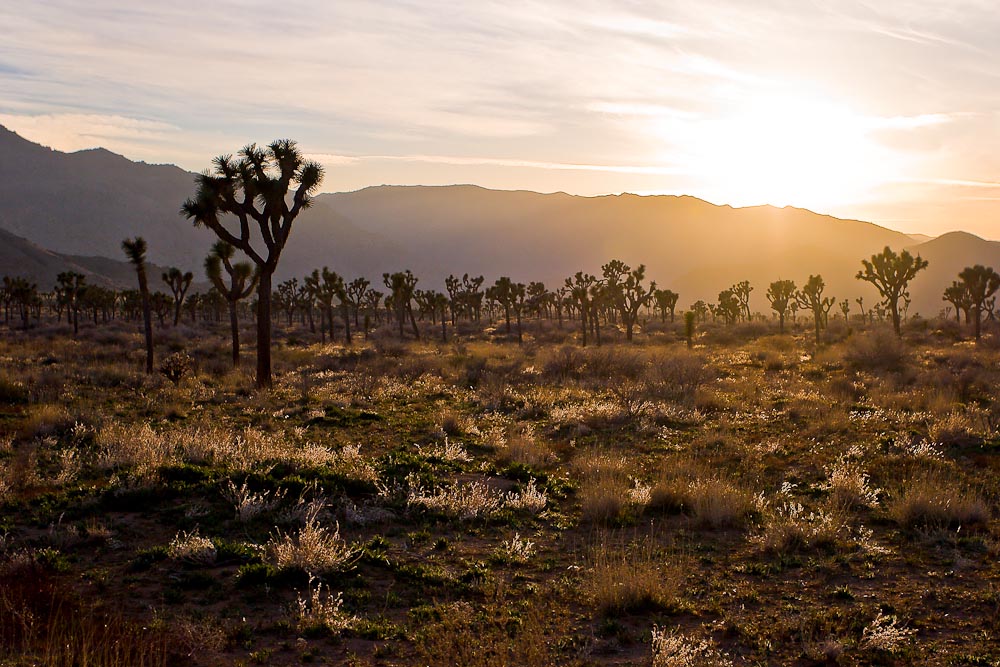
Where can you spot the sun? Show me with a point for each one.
(782, 150)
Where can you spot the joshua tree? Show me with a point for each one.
(779, 294)
(666, 300)
(503, 291)
(254, 189)
(626, 292)
(845, 308)
(242, 281)
(287, 298)
(23, 294)
(579, 287)
(178, 283)
(356, 290)
(811, 297)
(135, 250)
(401, 286)
(729, 306)
(689, 320)
(980, 283)
(69, 288)
(890, 274)
(958, 295)
(742, 291)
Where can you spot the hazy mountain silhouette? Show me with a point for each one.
(85, 203)
(21, 257)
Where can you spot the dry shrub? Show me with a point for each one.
(676, 650)
(931, 501)
(849, 485)
(791, 529)
(606, 482)
(474, 500)
(45, 420)
(623, 580)
(42, 623)
(678, 375)
(563, 364)
(505, 632)
(713, 501)
(192, 548)
(877, 350)
(314, 549)
(720, 503)
(320, 610)
(524, 449)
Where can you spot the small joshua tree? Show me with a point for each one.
(402, 285)
(242, 281)
(811, 297)
(70, 287)
(779, 294)
(689, 319)
(958, 296)
(666, 301)
(135, 250)
(178, 283)
(980, 284)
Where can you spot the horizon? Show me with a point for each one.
(883, 114)
(556, 192)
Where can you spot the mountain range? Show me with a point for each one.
(62, 210)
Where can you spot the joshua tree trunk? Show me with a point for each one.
(347, 323)
(147, 319)
(234, 325)
(264, 328)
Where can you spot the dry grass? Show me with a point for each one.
(315, 549)
(633, 579)
(931, 501)
(712, 500)
(790, 528)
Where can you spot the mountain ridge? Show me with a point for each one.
(83, 203)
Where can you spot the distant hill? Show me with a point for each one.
(21, 257)
(85, 203)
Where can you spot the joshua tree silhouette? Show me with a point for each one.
(242, 281)
(254, 189)
(135, 250)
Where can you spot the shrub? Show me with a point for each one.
(176, 367)
(626, 580)
(320, 610)
(676, 650)
(192, 548)
(314, 549)
(932, 502)
(878, 350)
(849, 486)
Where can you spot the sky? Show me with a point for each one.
(887, 110)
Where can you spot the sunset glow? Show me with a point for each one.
(886, 112)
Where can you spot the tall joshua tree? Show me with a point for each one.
(135, 250)
(980, 283)
(178, 283)
(262, 188)
(890, 274)
(242, 280)
(779, 294)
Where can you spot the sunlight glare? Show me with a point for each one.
(790, 151)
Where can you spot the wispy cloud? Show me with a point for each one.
(580, 90)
